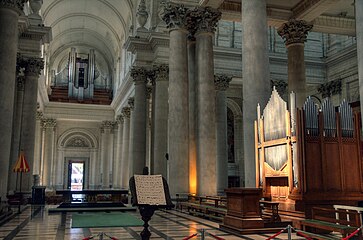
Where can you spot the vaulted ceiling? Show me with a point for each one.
(87, 24)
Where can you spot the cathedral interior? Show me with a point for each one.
(210, 94)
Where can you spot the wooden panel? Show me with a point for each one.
(332, 173)
(350, 160)
(313, 168)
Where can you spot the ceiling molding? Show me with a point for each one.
(308, 10)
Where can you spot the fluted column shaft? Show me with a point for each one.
(106, 152)
(139, 120)
(222, 84)
(255, 74)
(206, 118)
(192, 116)
(295, 33)
(160, 122)
(178, 135)
(131, 102)
(125, 148)
(9, 15)
(32, 67)
(359, 34)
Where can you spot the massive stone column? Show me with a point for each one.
(256, 77)
(149, 124)
(160, 142)
(116, 171)
(221, 84)
(32, 67)
(294, 34)
(359, 34)
(192, 115)
(49, 141)
(125, 148)
(38, 143)
(206, 118)
(15, 142)
(9, 15)
(178, 133)
(139, 120)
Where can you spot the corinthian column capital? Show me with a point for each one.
(17, 5)
(131, 103)
(139, 75)
(126, 112)
(31, 65)
(206, 19)
(294, 31)
(175, 16)
(222, 82)
(161, 72)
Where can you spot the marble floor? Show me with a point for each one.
(35, 223)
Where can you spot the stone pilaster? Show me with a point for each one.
(149, 123)
(106, 152)
(131, 103)
(139, 75)
(116, 171)
(49, 125)
(256, 79)
(125, 160)
(207, 19)
(9, 15)
(294, 34)
(178, 135)
(221, 84)
(38, 143)
(160, 121)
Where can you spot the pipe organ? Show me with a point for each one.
(309, 158)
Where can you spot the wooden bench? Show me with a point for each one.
(207, 206)
(324, 221)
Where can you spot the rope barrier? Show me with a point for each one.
(352, 234)
(276, 234)
(303, 235)
(191, 236)
(216, 237)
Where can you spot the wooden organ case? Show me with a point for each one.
(309, 157)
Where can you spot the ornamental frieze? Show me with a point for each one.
(294, 31)
(222, 82)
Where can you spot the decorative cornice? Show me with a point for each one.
(31, 65)
(131, 102)
(126, 112)
(330, 88)
(294, 31)
(175, 16)
(222, 82)
(205, 17)
(139, 75)
(17, 5)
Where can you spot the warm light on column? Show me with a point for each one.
(192, 172)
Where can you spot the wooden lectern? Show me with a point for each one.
(243, 209)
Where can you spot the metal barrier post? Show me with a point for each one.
(202, 234)
(289, 232)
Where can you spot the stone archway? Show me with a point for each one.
(77, 144)
(236, 168)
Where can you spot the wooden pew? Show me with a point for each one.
(324, 221)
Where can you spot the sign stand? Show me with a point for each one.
(149, 193)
